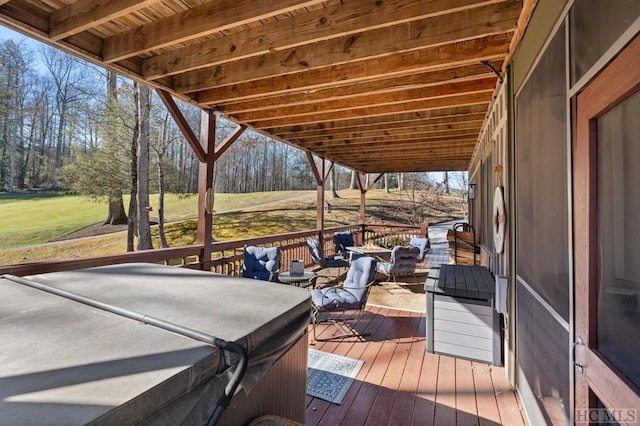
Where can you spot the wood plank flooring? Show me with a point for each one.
(402, 384)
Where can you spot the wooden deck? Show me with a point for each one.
(402, 384)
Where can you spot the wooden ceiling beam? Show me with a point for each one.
(460, 122)
(481, 98)
(84, 14)
(486, 84)
(383, 86)
(446, 56)
(445, 115)
(456, 27)
(425, 144)
(439, 130)
(381, 138)
(417, 167)
(198, 21)
(359, 163)
(332, 22)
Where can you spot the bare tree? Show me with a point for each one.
(445, 182)
(352, 184)
(334, 182)
(132, 224)
(13, 93)
(116, 214)
(73, 82)
(144, 227)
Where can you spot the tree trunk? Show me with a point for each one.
(161, 152)
(132, 228)
(144, 227)
(59, 144)
(386, 183)
(401, 182)
(445, 182)
(163, 238)
(117, 215)
(352, 185)
(333, 182)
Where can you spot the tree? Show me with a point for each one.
(445, 182)
(144, 228)
(13, 94)
(73, 83)
(334, 182)
(132, 225)
(103, 171)
(163, 142)
(116, 214)
(352, 184)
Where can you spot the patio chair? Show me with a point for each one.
(261, 263)
(350, 296)
(422, 244)
(403, 261)
(319, 259)
(342, 240)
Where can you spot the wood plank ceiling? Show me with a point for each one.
(375, 85)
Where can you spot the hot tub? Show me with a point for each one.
(64, 362)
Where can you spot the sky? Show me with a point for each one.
(6, 33)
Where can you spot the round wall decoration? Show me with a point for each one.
(499, 220)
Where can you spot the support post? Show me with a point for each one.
(363, 192)
(205, 186)
(320, 178)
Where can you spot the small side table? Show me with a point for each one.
(307, 279)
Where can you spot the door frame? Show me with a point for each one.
(594, 375)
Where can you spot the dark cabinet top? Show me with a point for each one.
(474, 282)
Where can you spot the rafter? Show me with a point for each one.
(481, 98)
(84, 14)
(486, 21)
(198, 21)
(372, 100)
(394, 145)
(336, 21)
(388, 141)
(434, 58)
(439, 130)
(440, 116)
(380, 86)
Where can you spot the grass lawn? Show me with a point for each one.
(237, 216)
(41, 216)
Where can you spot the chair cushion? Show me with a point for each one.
(385, 267)
(342, 240)
(354, 292)
(403, 260)
(337, 298)
(335, 262)
(361, 272)
(260, 262)
(421, 243)
(315, 251)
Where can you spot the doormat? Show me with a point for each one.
(329, 376)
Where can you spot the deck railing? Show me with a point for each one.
(227, 256)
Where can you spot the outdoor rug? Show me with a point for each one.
(329, 376)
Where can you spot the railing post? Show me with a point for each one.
(205, 187)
